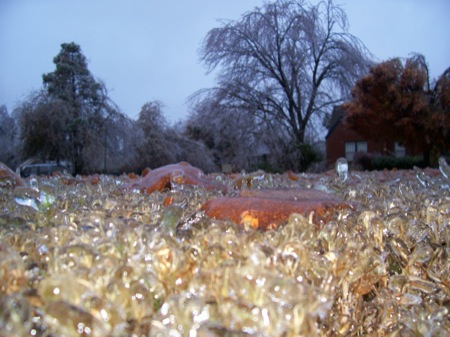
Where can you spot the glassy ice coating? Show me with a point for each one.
(26, 196)
(423, 178)
(100, 260)
(444, 167)
(342, 169)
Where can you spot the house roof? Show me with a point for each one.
(336, 116)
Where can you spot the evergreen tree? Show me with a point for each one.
(84, 98)
(72, 119)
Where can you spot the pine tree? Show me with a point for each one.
(84, 98)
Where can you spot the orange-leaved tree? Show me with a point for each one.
(396, 102)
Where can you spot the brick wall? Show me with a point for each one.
(336, 139)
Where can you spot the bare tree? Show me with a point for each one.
(112, 150)
(8, 147)
(158, 143)
(192, 151)
(154, 148)
(42, 123)
(285, 62)
(230, 134)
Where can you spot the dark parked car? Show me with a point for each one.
(42, 169)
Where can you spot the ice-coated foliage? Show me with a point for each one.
(397, 102)
(158, 143)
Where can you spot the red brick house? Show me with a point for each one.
(341, 141)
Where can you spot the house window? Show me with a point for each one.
(399, 150)
(352, 147)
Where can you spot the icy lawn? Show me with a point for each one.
(88, 257)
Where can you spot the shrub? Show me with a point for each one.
(401, 163)
(309, 155)
(370, 162)
(362, 161)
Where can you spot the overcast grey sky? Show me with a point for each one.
(146, 50)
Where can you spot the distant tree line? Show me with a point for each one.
(71, 120)
(280, 70)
